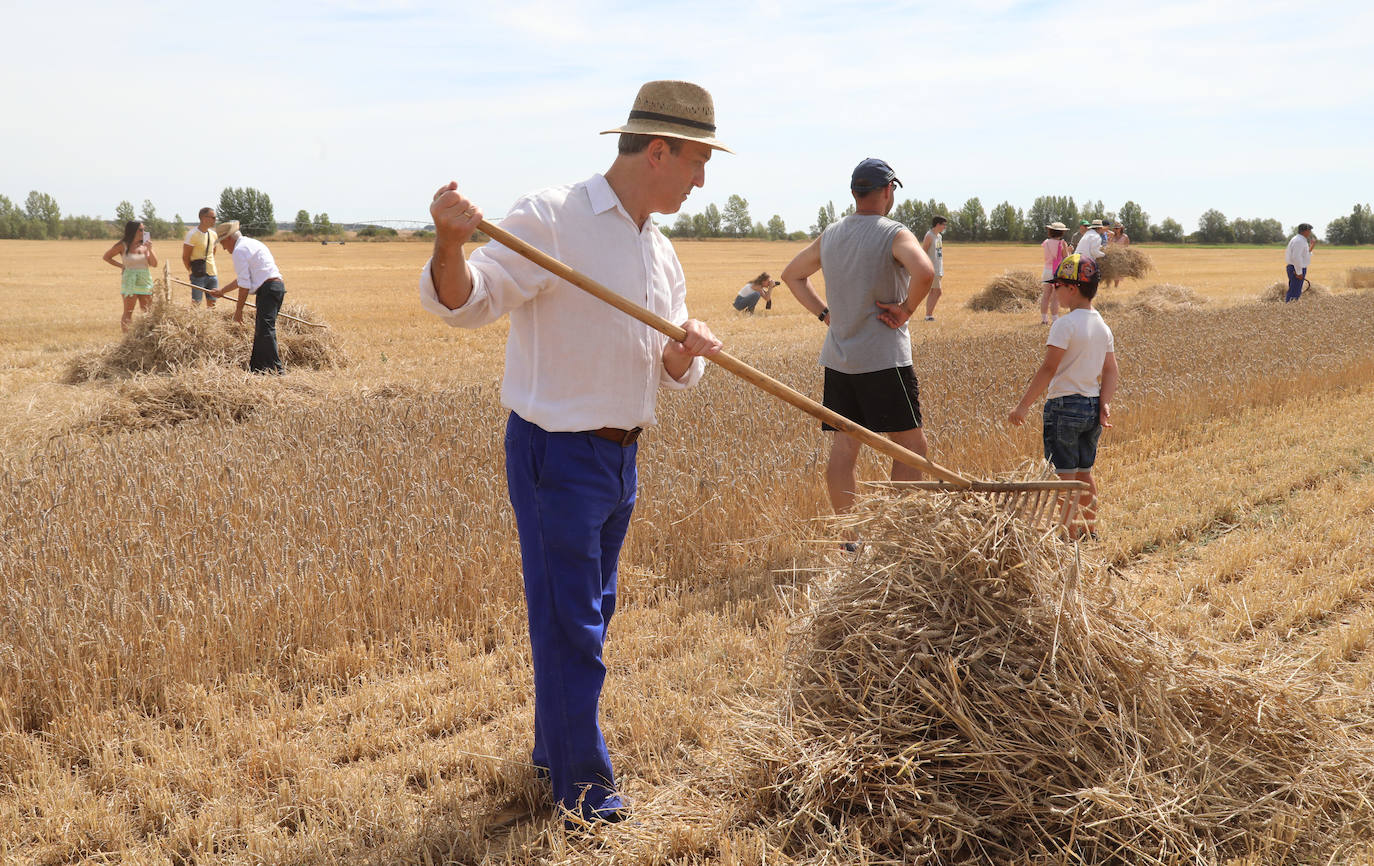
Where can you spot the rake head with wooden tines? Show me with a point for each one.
(1037, 502)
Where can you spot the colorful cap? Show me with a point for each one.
(1075, 269)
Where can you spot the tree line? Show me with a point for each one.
(1006, 223)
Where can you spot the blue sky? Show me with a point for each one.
(362, 110)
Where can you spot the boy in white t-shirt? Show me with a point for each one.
(1081, 377)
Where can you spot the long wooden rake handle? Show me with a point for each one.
(729, 362)
(255, 306)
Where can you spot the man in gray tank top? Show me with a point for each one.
(876, 276)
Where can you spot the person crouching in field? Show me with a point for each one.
(581, 381)
(1081, 377)
(759, 287)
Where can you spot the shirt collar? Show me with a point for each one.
(602, 197)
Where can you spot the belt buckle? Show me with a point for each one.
(630, 437)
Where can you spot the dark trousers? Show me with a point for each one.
(573, 494)
(269, 298)
(1294, 284)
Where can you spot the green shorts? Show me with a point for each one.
(137, 282)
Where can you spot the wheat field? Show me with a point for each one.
(294, 633)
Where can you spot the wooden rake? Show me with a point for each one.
(1039, 503)
(280, 314)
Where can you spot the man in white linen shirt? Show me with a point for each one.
(1090, 245)
(255, 273)
(581, 381)
(1296, 260)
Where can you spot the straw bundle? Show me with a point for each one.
(962, 693)
(1361, 278)
(1164, 298)
(1278, 291)
(1012, 291)
(199, 394)
(1120, 262)
(172, 337)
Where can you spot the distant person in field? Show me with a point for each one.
(760, 287)
(1296, 260)
(1080, 375)
(876, 276)
(1090, 244)
(934, 245)
(581, 382)
(1054, 249)
(1118, 238)
(135, 253)
(198, 255)
(256, 274)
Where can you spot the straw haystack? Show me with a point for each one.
(1361, 278)
(1278, 291)
(1164, 298)
(186, 395)
(963, 691)
(1009, 292)
(173, 337)
(1120, 262)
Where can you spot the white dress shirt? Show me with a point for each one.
(253, 264)
(1298, 254)
(1090, 245)
(573, 362)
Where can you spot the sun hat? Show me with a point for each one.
(1096, 224)
(1057, 226)
(872, 174)
(1075, 269)
(225, 229)
(673, 109)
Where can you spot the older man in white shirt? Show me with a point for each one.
(1090, 245)
(1296, 259)
(581, 381)
(255, 273)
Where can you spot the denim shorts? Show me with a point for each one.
(1072, 427)
(198, 284)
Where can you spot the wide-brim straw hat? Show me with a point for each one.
(224, 230)
(1097, 224)
(1057, 226)
(673, 109)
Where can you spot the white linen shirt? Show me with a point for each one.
(253, 264)
(573, 362)
(1090, 245)
(1298, 254)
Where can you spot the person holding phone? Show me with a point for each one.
(136, 256)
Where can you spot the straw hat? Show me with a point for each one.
(673, 109)
(1097, 224)
(224, 230)
(1057, 226)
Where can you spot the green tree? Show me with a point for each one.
(1006, 223)
(683, 227)
(1169, 231)
(737, 221)
(323, 227)
(124, 212)
(1241, 231)
(713, 221)
(303, 224)
(160, 228)
(11, 219)
(1266, 231)
(700, 228)
(777, 229)
(1135, 221)
(1047, 209)
(252, 208)
(42, 208)
(1214, 228)
(970, 222)
(824, 217)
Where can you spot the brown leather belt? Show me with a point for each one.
(623, 438)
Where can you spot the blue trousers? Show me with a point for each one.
(1294, 284)
(573, 494)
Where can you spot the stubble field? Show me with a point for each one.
(298, 636)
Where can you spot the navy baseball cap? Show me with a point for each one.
(872, 174)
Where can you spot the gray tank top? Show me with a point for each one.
(856, 259)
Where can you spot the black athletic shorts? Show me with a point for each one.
(885, 401)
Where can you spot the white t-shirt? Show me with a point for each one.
(1298, 254)
(937, 251)
(749, 289)
(1086, 340)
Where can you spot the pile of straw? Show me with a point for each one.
(174, 337)
(962, 692)
(1278, 291)
(1121, 262)
(1164, 298)
(196, 394)
(1008, 293)
(1361, 278)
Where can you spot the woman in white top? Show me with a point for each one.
(759, 287)
(136, 254)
